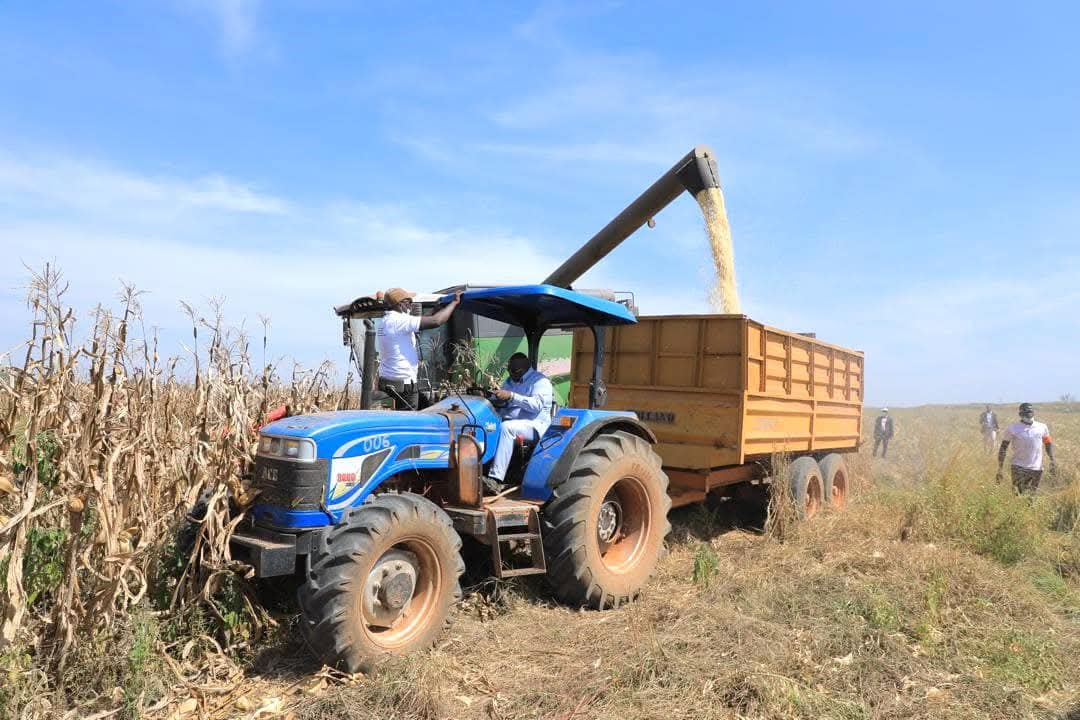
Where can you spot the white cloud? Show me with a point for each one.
(273, 268)
(80, 185)
(236, 20)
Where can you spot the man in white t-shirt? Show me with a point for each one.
(399, 359)
(1028, 438)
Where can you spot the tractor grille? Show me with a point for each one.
(291, 485)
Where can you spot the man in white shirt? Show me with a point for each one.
(399, 359)
(526, 399)
(1028, 438)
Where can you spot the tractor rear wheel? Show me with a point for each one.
(804, 478)
(381, 582)
(834, 480)
(605, 525)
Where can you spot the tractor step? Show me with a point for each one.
(519, 536)
(514, 521)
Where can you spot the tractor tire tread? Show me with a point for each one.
(570, 572)
(326, 596)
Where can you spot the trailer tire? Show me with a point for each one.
(835, 480)
(804, 477)
(381, 582)
(605, 525)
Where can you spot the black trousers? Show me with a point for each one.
(1025, 480)
(406, 396)
(883, 442)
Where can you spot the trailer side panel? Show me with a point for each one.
(722, 390)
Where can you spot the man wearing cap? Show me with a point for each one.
(883, 432)
(524, 404)
(1028, 438)
(399, 359)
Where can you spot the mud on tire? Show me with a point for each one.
(835, 480)
(605, 525)
(357, 605)
(804, 478)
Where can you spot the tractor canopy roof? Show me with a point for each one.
(534, 307)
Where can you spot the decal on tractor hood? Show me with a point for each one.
(347, 473)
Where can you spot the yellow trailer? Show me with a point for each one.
(724, 393)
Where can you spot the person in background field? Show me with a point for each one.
(526, 398)
(399, 360)
(883, 432)
(988, 423)
(1028, 438)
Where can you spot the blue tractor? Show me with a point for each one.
(368, 508)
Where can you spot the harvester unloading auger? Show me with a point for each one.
(694, 173)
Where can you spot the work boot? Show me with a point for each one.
(494, 485)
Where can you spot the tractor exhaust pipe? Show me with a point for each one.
(696, 171)
(367, 374)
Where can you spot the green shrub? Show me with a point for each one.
(706, 564)
(43, 564)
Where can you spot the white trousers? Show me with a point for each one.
(505, 449)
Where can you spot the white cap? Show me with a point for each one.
(884, 409)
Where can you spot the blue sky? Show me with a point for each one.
(902, 178)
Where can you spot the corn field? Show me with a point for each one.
(104, 447)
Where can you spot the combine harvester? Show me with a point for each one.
(367, 508)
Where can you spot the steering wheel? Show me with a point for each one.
(488, 395)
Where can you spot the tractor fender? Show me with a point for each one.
(550, 467)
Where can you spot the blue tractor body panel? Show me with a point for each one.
(362, 448)
(552, 447)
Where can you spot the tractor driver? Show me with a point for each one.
(399, 359)
(527, 396)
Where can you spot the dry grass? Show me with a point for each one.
(839, 618)
(936, 594)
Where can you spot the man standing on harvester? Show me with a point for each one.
(524, 403)
(1028, 437)
(399, 359)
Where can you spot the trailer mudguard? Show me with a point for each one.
(570, 430)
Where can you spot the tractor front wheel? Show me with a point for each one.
(605, 525)
(381, 582)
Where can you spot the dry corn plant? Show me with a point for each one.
(103, 448)
(471, 368)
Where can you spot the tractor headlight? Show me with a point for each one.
(287, 448)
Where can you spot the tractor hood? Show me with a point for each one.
(321, 426)
(543, 306)
(348, 432)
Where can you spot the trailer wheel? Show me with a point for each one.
(834, 480)
(806, 487)
(605, 525)
(381, 582)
